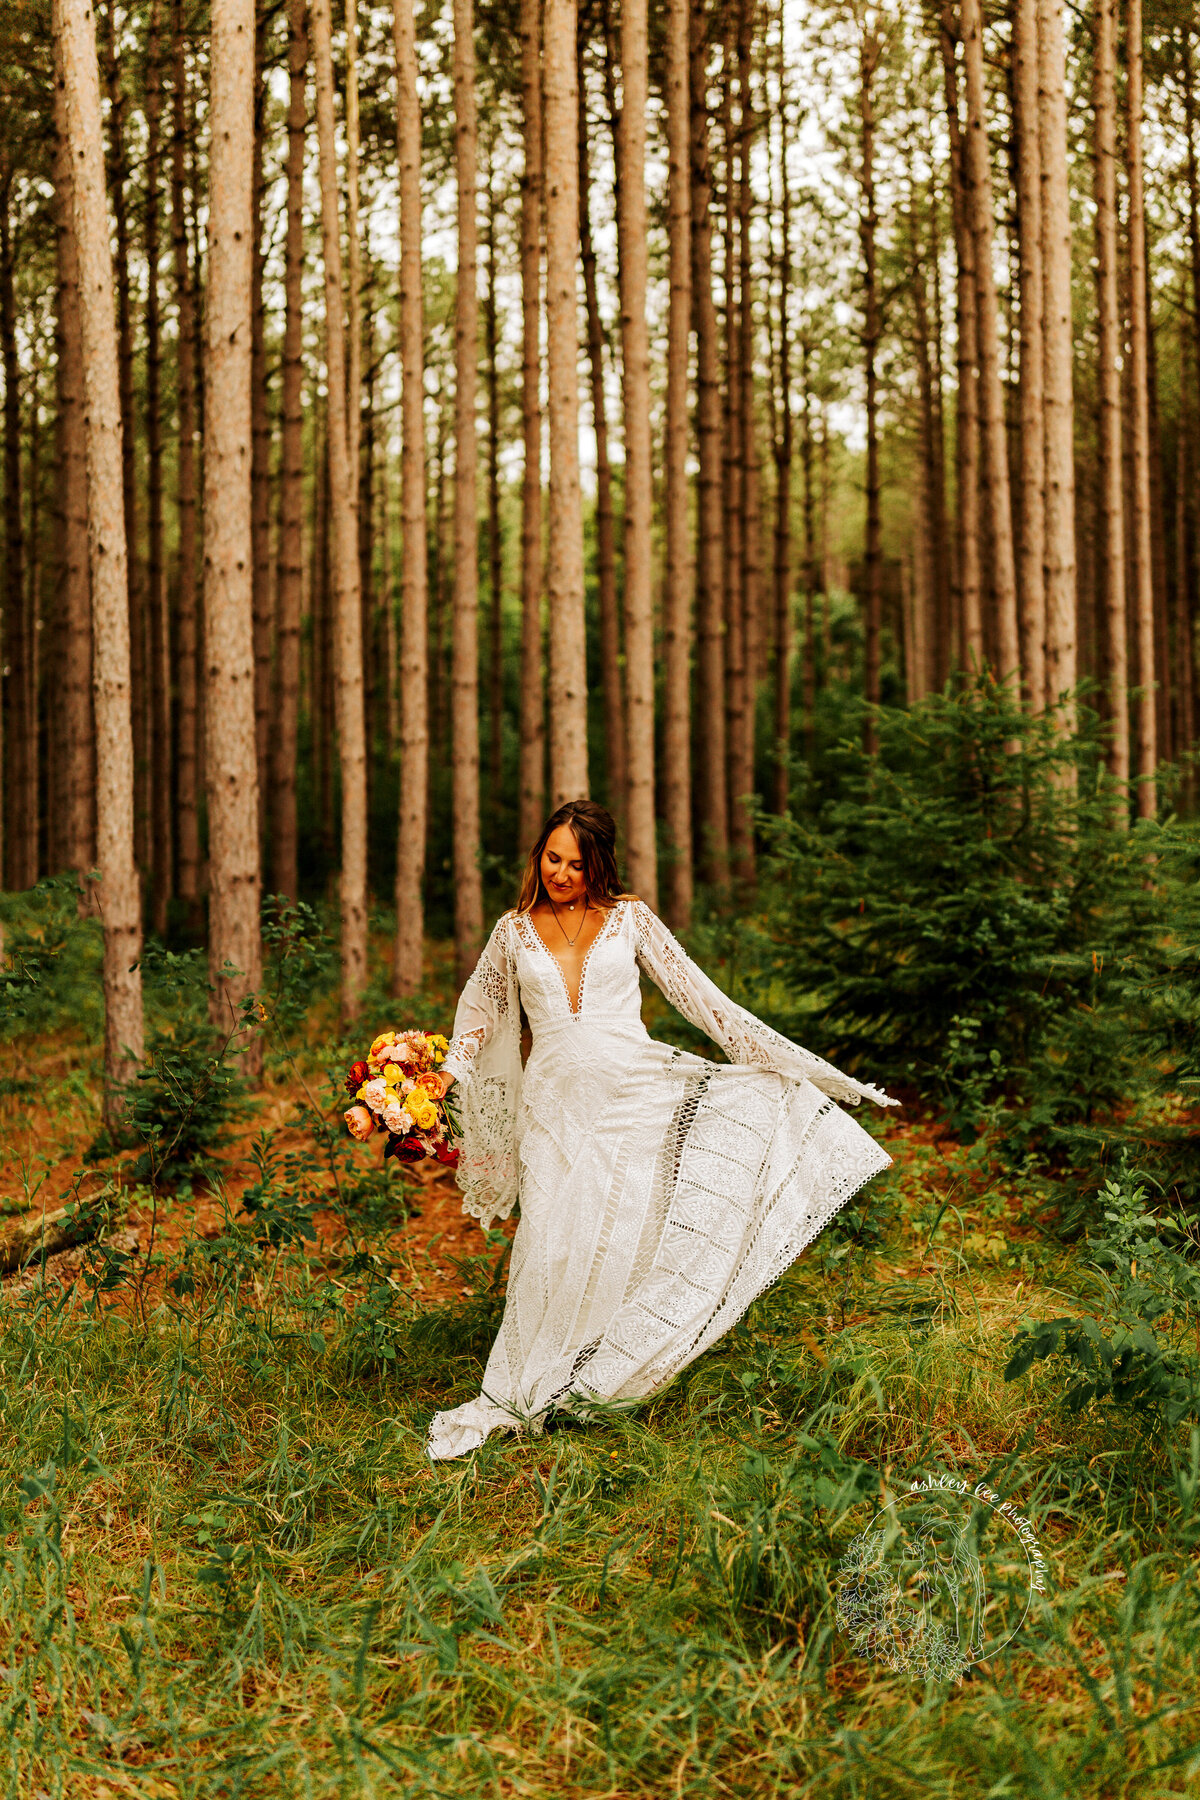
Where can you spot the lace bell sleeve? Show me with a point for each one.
(744, 1038)
(482, 1007)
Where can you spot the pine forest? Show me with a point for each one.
(775, 420)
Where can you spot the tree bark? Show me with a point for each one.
(677, 592)
(118, 177)
(118, 892)
(289, 591)
(968, 606)
(187, 645)
(869, 51)
(1059, 354)
(159, 665)
(749, 474)
(1031, 544)
(1109, 343)
(1185, 585)
(260, 455)
(712, 807)
(993, 438)
(231, 770)
(641, 848)
(407, 970)
(606, 549)
(464, 759)
(346, 597)
(732, 461)
(564, 572)
(1139, 536)
(491, 332)
(20, 729)
(75, 598)
(532, 771)
(783, 466)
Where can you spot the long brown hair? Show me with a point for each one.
(596, 834)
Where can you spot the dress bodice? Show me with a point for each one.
(608, 981)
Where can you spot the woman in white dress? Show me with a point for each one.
(660, 1192)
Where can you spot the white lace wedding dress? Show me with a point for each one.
(660, 1192)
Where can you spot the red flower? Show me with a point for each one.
(358, 1073)
(448, 1154)
(406, 1150)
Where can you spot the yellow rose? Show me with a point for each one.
(392, 1073)
(424, 1113)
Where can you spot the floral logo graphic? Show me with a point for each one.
(941, 1578)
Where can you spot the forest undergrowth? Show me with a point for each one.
(228, 1568)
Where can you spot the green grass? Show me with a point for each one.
(229, 1569)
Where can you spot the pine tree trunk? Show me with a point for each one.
(118, 178)
(749, 476)
(712, 803)
(260, 457)
(1109, 342)
(231, 771)
(346, 599)
(75, 598)
(159, 668)
(118, 896)
(869, 49)
(1140, 522)
(20, 737)
(464, 756)
(1059, 355)
(289, 592)
(564, 569)
(783, 467)
(1185, 659)
(997, 498)
(1031, 544)
(734, 518)
(641, 849)
(677, 592)
(495, 538)
(811, 575)
(354, 283)
(968, 605)
(407, 970)
(186, 635)
(606, 549)
(532, 771)
(931, 523)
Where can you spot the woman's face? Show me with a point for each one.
(562, 867)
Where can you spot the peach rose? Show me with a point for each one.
(359, 1123)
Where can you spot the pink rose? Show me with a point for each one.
(359, 1123)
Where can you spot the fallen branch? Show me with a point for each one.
(44, 1234)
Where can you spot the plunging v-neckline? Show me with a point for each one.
(562, 974)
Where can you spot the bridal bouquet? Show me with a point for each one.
(397, 1090)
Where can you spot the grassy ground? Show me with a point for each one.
(228, 1568)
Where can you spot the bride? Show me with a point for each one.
(660, 1192)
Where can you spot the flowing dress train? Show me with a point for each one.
(660, 1192)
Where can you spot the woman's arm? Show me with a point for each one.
(744, 1038)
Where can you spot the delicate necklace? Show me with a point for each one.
(562, 927)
